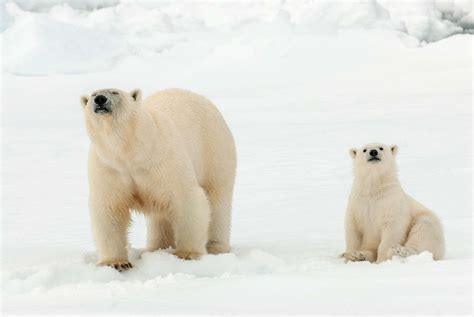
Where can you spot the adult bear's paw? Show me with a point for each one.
(187, 255)
(214, 247)
(120, 266)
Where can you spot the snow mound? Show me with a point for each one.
(337, 14)
(53, 36)
(148, 266)
(39, 45)
(423, 257)
(431, 21)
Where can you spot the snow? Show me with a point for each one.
(432, 21)
(43, 45)
(299, 86)
(100, 33)
(44, 5)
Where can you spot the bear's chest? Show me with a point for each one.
(147, 192)
(368, 215)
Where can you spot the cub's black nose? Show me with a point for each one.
(373, 153)
(100, 100)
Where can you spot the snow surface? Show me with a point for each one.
(299, 85)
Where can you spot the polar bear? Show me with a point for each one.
(381, 219)
(171, 157)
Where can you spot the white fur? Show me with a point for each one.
(381, 219)
(171, 157)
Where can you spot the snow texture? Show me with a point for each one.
(299, 84)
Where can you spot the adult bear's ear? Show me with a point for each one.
(394, 149)
(84, 101)
(353, 153)
(136, 94)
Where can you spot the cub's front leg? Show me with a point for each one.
(393, 233)
(354, 246)
(110, 217)
(353, 235)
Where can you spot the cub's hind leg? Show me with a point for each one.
(426, 234)
(402, 251)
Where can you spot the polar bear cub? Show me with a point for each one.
(381, 219)
(171, 157)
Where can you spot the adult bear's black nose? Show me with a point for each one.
(373, 153)
(100, 100)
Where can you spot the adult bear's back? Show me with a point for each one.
(207, 138)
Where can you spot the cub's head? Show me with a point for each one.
(374, 158)
(109, 104)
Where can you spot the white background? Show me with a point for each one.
(299, 83)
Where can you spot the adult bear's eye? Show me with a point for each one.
(365, 150)
(114, 92)
(381, 148)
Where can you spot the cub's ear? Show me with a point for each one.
(394, 149)
(136, 94)
(353, 153)
(84, 101)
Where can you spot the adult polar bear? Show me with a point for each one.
(381, 219)
(170, 156)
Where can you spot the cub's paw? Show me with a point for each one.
(120, 266)
(400, 251)
(354, 256)
(187, 255)
(214, 247)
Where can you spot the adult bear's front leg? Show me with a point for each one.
(191, 225)
(110, 230)
(110, 216)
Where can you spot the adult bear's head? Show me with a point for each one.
(111, 114)
(110, 103)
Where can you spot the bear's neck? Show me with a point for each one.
(372, 184)
(120, 137)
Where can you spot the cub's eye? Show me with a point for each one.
(365, 150)
(115, 93)
(381, 148)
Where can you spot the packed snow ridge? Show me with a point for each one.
(85, 36)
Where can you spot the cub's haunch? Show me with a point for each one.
(170, 156)
(381, 219)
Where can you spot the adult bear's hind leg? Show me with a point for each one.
(160, 233)
(219, 228)
(191, 223)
